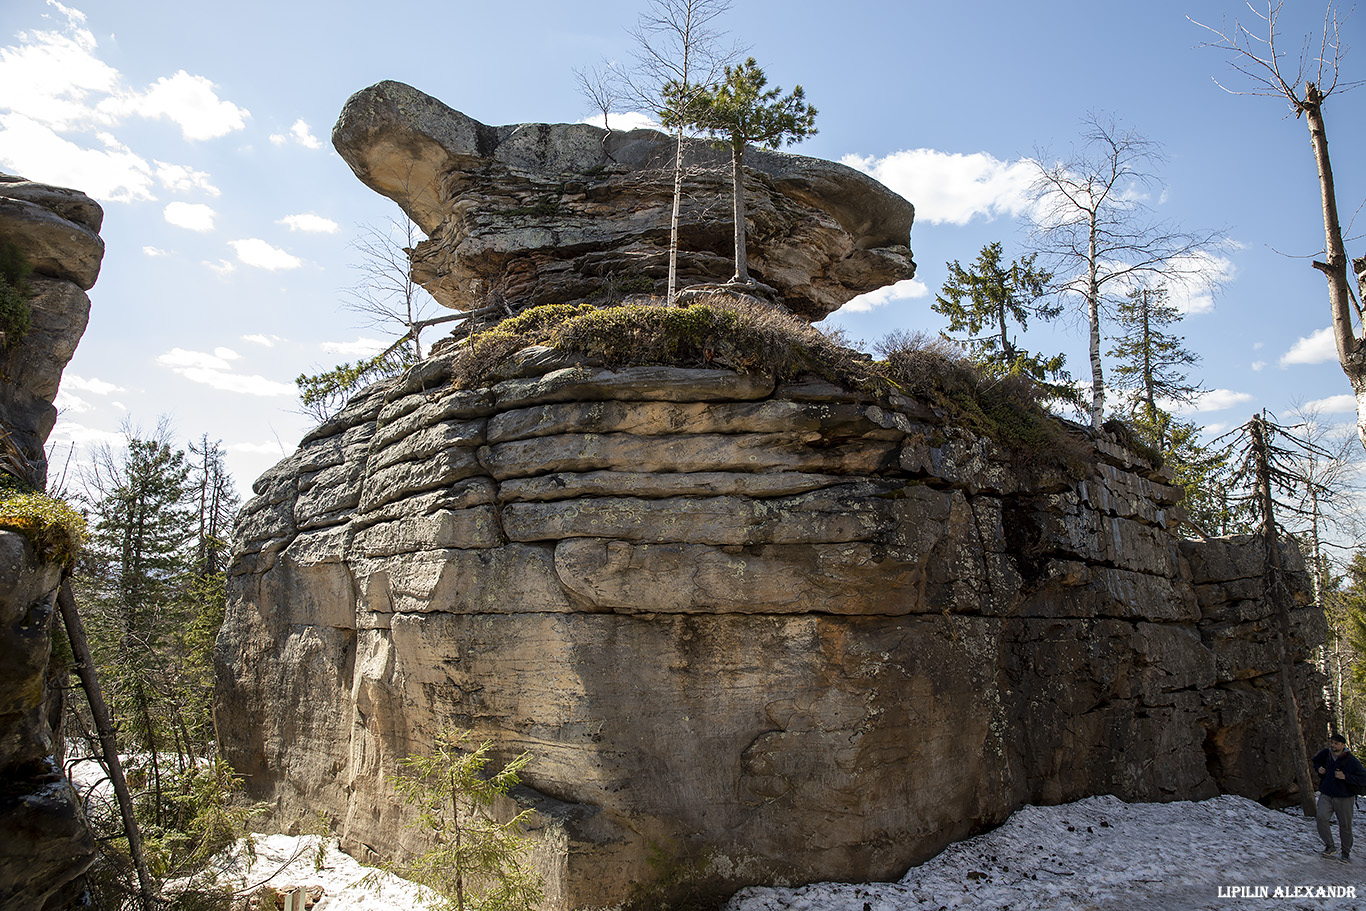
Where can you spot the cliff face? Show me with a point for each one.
(793, 631)
(44, 843)
(777, 632)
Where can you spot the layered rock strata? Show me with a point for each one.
(44, 843)
(790, 633)
(545, 213)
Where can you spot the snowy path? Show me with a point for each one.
(1102, 853)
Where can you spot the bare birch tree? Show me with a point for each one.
(386, 296)
(678, 44)
(600, 87)
(1098, 236)
(1306, 81)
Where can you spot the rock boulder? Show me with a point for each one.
(545, 213)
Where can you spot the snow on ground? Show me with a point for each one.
(1101, 853)
(1093, 855)
(284, 862)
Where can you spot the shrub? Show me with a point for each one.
(748, 336)
(1009, 408)
(719, 331)
(477, 863)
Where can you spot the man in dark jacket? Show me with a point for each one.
(1338, 769)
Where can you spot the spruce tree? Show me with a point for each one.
(1152, 365)
(986, 299)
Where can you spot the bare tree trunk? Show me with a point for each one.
(673, 220)
(1335, 269)
(85, 669)
(737, 152)
(1093, 317)
(1276, 589)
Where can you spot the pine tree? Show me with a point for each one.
(1152, 364)
(1346, 611)
(739, 111)
(985, 299)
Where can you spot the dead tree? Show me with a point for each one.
(1306, 83)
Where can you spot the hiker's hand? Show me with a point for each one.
(1340, 775)
(1322, 770)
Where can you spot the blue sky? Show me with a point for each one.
(203, 130)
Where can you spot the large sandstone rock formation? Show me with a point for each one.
(44, 843)
(777, 632)
(543, 213)
(799, 633)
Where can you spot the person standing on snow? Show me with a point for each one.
(1337, 769)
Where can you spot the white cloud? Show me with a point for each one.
(97, 387)
(189, 102)
(253, 251)
(1193, 280)
(113, 173)
(180, 359)
(80, 435)
(155, 251)
(213, 370)
(180, 179)
(1314, 349)
(53, 82)
(903, 290)
(226, 354)
(68, 403)
(299, 133)
(48, 77)
(951, 188)
(361, 347)
(308, 222)
(624, 123)
(1258, 365)
(222, 267)
(1334, 404)
(265, 341)
(193, 216)
(1213, 400)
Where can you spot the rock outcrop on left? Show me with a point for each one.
(45, 845)
(57, 230)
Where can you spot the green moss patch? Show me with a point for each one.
(56, 531)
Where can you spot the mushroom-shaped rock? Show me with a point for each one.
(544, 213)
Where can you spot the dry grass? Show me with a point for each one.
(751, 337)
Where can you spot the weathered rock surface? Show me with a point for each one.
(544, 213)
(57, 230)
(45, 846)
(795, 632)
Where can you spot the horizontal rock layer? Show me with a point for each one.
(796, 632)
